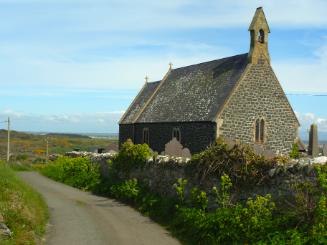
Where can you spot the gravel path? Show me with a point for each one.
(82, 218)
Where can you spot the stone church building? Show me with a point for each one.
(238, 97)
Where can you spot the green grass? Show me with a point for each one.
(23, 209)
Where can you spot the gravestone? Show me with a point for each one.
(313, 141)
(324, 150)
(175, 148)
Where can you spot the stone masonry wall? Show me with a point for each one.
(161, 174)
(196, 136)
(125, 132)
(259, 95)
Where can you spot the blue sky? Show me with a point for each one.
(75, 66)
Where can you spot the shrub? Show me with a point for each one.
(126, 191)
(199, 198)
(180, 189)
(78, 172)
(295, 153)
(241, 224)
(239, 162)
(21, 157)
(131, 156)
(222, 196)
(319, 228)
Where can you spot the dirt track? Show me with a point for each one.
(79, 218)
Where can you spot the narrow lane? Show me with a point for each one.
(80, 218)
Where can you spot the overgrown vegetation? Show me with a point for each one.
(295, 153)
(239, 162)
(130, 157)
(24, 211)
(257, 220)
(78, 172)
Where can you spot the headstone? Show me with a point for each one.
(260, 150)
(313, 141)
(324, 150)
(175, 148)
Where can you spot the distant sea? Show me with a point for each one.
(322, 137)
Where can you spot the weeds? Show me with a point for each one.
(24, 210)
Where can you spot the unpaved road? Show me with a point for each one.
(79, 218)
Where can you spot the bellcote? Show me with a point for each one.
(259, 31)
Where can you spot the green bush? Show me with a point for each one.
(222, 196)
(295, 153)
(199, 198)
(78, 172)
(180, 189)
(130, 157)
(240, 224)
(126, 191)
(21, 157)
(319, 228)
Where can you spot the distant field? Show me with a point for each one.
(33, 146)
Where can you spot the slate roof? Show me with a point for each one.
(191, 93)
(138, 103)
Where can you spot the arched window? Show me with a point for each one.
(257, 130)
(261, 36)
(146, 137)
(177, 134)
(260, 131)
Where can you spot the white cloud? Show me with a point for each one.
(97, 122)
(306, 119)
(52, 56)
(12, 113)
(120, 15)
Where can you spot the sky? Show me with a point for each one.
(76, 65)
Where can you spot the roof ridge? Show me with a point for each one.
(205, 62)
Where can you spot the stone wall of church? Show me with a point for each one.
(125, 132)
(196, 136)
(259, 95)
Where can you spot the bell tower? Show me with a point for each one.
(259, 31)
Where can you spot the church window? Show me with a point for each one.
(257, 130)
(261, 36)
(177, 134)
(146, 136)
(260, 131)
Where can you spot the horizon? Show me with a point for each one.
(72, 76)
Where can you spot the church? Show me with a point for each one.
(237, 97)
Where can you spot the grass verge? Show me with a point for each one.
(23, 209)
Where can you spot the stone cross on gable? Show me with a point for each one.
(170, 66)
(146, 79)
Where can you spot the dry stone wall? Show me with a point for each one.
(162, 172)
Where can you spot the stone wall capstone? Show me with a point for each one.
(162, 172)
